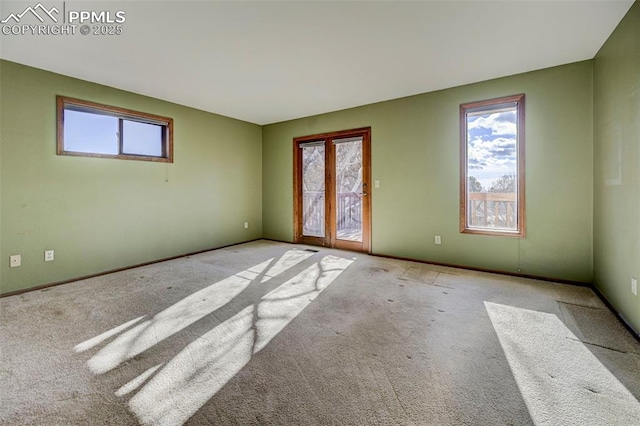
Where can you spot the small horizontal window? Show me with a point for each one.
(89, 129)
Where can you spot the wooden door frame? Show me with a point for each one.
(331, 240)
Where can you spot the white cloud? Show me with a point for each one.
(492, 149)
(502, 123)
(489, 160)
(500, 151)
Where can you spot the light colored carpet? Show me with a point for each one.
(271, 333)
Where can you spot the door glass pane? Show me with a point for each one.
(349, 189)
(313, 189)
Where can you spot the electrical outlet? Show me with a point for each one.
(246, 225)
(15, 261)
(48, 255)
(634, 286)
(438, 240)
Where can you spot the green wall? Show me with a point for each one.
(415, 155)
(101, 214)
(616, 165)
(582, 178)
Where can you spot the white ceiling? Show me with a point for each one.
(265, 62)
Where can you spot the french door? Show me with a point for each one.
(332, 201)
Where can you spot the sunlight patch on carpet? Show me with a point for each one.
(95, 341)
(289, 260)
(137, 382)
(187, 311)
(204, 366)
(560, 380)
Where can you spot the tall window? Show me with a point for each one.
(492, 167)
(89, 129)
